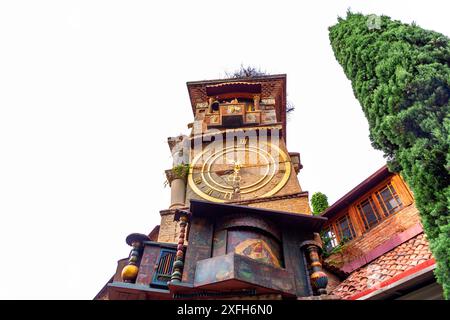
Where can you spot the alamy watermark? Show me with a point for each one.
(202, 144)
(373, 22)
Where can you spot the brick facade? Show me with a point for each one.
(375, 237)
(168, 229)
(295, 205)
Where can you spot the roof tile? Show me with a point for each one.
(403, 257)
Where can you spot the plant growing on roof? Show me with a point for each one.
(180, 171)
(250, 72)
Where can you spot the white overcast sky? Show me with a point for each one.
(90, 91)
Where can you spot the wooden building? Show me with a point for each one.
(375, 247)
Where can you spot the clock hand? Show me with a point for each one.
(224, 180)
(236, 185)
(231, 175)
(254, 165)
(224, 172)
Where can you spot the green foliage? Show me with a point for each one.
(400, 74)
(181, 170)
(326, 243)
(319, 202)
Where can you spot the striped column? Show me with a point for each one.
(179, 258)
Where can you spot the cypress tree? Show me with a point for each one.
(400, 74)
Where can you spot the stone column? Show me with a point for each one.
(177, 189)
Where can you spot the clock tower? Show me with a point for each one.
(239, 224)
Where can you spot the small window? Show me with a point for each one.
(215, 107)
(369, 213)
(163, 271)
(345, 228)
(389, 200)
(330, 240)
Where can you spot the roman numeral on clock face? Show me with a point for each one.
(227, 195)
(209, 191)
(198, 180)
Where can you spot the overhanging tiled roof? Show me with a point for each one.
(404, 257)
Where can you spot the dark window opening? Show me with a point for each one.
(346, 230)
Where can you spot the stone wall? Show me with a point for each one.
(295, 205)
(168, 229)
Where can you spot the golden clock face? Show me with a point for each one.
(239, 172)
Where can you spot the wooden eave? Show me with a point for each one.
(358, 191)
(299, 220)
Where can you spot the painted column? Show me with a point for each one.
(256, 100)
(319, 279)
(130, 271)
(177, 270)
